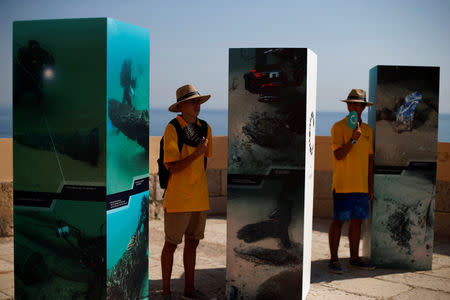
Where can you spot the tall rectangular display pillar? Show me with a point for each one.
(405, 123)
(271, 137)
(80, 146)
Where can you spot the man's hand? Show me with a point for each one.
(371, 195)
(356, 132)
(202, 147)
(179, 165)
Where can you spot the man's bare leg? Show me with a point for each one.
(166, 265)
(334, 236)
(354, 235)
(189, 255)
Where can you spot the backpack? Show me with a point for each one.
(163, 172)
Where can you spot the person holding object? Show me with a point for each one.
(352, 179)
(186, 197)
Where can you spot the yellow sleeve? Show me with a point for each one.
(171, 152)
(210, 143)
(337, 137)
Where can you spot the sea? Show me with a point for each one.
(218, 120)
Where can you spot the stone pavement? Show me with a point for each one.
(211, 263)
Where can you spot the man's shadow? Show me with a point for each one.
(211, 282)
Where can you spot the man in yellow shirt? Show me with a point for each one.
(352, 179)
(186, 197)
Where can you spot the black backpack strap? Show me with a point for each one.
(204, 126)
(179, 130)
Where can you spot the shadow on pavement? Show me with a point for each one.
(211, 282)
(320, 273)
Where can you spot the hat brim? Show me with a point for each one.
(202, 99)
(368, 103)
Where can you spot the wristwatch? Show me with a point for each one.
(353, 141)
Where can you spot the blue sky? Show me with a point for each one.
(190, 39)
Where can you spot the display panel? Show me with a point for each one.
(405, 122)
(268, 134)
(128, 82)
(59, 159)
(80, 159)
(127, 157)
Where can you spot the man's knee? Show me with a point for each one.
(191, 243)
(169, 247)
(337, 223)
(355, 222)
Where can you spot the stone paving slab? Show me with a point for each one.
(440, 260)
(371, 287)
(419, 280)
(421, 294)
(6, 266)
(4, 296)
(7, 283)
(443, 272)
(323, 292)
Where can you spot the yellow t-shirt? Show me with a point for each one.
(351, 174)
(187, 190)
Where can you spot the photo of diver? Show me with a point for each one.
(127, 146)
(59, 159)
(60, 250)
(127, 133)
(32, 64)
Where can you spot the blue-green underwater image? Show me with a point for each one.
(80, 157)
(127, 160)
(57, 254)
(266, 173)
(405, 123)
(128, 103)
(59, 127)
(127, 243)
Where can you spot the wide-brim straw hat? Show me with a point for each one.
(186, 93)
(357, 96)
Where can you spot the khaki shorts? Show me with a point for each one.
(190, 224)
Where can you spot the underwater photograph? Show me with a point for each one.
(128, 62)
(405, 123)
(80, 93)
(127, 249)
(266, 173)
(59, 159)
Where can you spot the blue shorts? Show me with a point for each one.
(350, 206)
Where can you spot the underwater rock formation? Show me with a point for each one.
(398, 226)
(126, 277)
(133, 123)
(268, 131)
(57, 260)
(274, 257)
(84, 147)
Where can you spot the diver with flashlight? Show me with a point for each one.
(33, 65)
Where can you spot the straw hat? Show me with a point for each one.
(185, 93)
(357, 96)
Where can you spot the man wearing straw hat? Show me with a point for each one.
(186, 197)
(352, 146)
